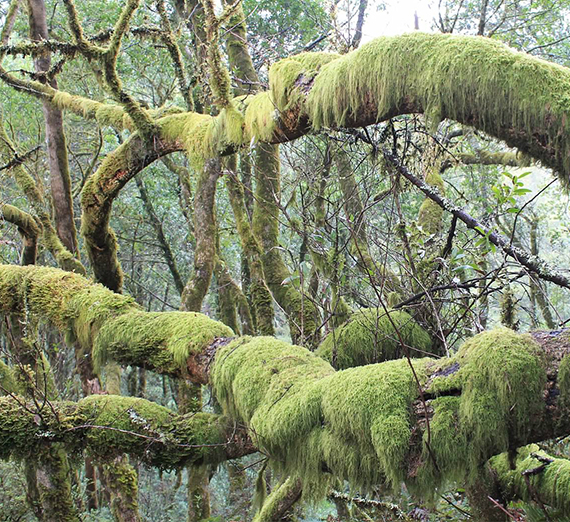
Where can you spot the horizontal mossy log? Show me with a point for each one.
(105, 324)
(369, 425)
(109, 425)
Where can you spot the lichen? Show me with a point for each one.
(371, 336)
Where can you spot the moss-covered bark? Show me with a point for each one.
(301, 311)
(205, 229)
(97, 198)
(109, 425)
(372, 336)
(375, 424)
(28, 228)
(533, 475)
(261, 300)
(282, 498)
(64, 258)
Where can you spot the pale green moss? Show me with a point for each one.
(356, 422)
(291, 78)
(551, 485)
(261, 116)
(501, 378)
(435, 73)
(369, 337)
(162, 340)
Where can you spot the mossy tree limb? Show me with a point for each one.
(97, 198)
(28, 229)
(109, 425)
(64, 258)
(368, 425)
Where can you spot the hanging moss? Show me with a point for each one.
(501, 377)
(434, 73)
(111, 324)
(369, 336)
(304, 415)
(291, 78)
(261, 116)
(551, 485)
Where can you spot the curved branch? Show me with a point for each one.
(28, 228)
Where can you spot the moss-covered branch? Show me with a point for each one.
(370, 425)
(64, 258)
(28, 228)
(109, 425)
(97, 198)
(533, 475)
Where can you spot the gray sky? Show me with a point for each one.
(397, 18)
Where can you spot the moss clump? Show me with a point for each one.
(501, 378)
(356, 423)
(261, 116)
(370, 336)
(111, 324)
(551, 486)
(151, 432)
(434, 73)
(162, 340)
(290, 79)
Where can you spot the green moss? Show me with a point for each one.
(291, 78)
(355, 423)
(112, 324)
(435, 72)
(501, 378)
(162, 341)
(564, 383)
(261, 117)
(551, 486)
(369, 336)
(430, 215)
